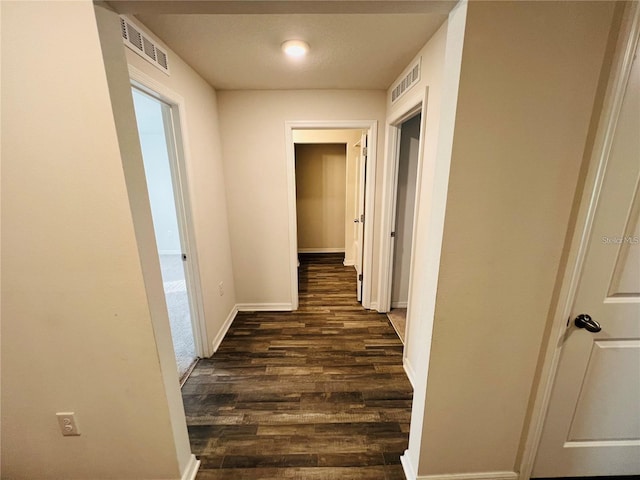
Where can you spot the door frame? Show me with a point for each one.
(179, 177)
(372, 129)
(360, 204)
(389, 200)
(615, 90)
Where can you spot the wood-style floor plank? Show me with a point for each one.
(316, 394)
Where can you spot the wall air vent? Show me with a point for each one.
(143, 45)
(406, 82)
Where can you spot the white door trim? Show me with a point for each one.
(150, 86)
(620, 70)
(372, 127)
(389, 194)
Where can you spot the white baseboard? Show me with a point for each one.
(264, 307)
(411, 374)
(321, 250)
(398, 304)
(471, 476)
(407, 467)
(374, 306)
(192, 469)
(348, 263)
(225, 328)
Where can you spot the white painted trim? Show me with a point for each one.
(372, 127)
(421, 150)
(409, 473)
(602, 443)
(156, 89)
(471, 476)
(620, 71)
(348, 263)
(321, 250)
(215, 344)
(293, 218)
(192, 469)
(408, 369)
(387, 216)
(373, 306)
(399, 304)
(621, 300)
(169, 252)
(389, 194)
(389, 182)
(264, 307)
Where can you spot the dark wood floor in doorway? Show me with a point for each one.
(319, 393)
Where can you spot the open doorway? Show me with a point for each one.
(358, 232)
(329, 204)
(402, 223)
(156, 131)
(321, 193)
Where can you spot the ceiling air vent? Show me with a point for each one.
(406, 82)
(143, 45)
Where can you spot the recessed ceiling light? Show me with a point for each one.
(295, 48)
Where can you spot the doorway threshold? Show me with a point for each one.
(398, 319)
(186, 374)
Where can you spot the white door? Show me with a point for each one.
(593, 422)
(359, 220)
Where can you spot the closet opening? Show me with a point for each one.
(358, 236)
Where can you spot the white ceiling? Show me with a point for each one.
(348, 51)
(361, 44)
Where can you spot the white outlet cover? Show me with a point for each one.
(67, 423)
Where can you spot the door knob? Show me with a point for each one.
(585, 321)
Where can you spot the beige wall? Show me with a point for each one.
(252, 127)
(206, 182)
(352, 140)
(321, 196)
(438, 92)
(529, 76)
(76, 326)
(431, 175)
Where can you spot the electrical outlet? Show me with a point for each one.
(221, 288)
(68, 424)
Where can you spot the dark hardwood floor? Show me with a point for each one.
(319, 393)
